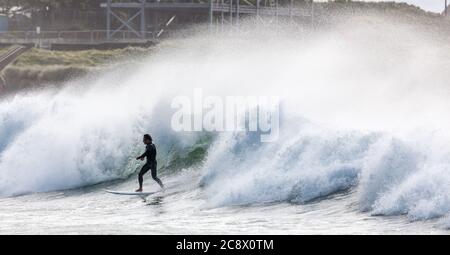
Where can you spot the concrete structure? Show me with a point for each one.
(159, 14)
(145, 21)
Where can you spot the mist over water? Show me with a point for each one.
(365, 110)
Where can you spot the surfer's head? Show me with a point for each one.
(147, 139)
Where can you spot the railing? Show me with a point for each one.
(263, 10)
(10, 55)
(73, 37)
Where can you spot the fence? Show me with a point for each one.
(71, 37)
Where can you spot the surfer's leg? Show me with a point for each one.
(144, 170)
(155, 177)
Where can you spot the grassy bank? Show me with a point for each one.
(38, 67)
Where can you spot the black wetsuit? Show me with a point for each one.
(150, 154)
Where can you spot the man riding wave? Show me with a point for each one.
(151, 164)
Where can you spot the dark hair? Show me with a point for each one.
(148, 137)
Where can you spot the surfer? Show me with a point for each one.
(150, 154)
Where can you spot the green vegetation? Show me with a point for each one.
(389, 9)
(83, 59)
(382, 16)
(43, 67)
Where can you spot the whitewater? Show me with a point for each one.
(363, 147)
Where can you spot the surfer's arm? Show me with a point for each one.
(143, 155)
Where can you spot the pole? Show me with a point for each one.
(446, 8)
(291, 6)
(312, 14)
(222, 17)
(211, 15)
(276, 12)
(257, 11)
(108, 20)
(231, 12)
(257, 7)
(237, 12)
(143, 21)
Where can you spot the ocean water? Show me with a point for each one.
(182, 210)
(363, 145)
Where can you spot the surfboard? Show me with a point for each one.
(124, 193)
